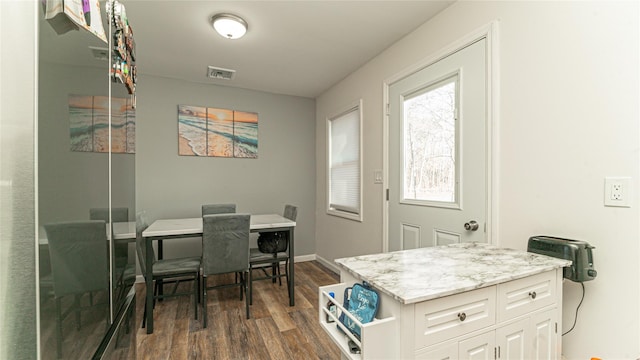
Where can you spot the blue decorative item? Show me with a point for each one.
(362, 302)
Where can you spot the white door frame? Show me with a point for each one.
(490, 33)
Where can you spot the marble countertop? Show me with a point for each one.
(411, 276)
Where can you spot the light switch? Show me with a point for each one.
(617, 191)
(377, 177)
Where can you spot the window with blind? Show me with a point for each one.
(344, 164)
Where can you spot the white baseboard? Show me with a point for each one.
(330, 264)
(303, 258)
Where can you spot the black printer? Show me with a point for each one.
(579, 252)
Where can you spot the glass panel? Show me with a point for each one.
(429, 144)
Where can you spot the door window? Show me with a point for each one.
(430, 145)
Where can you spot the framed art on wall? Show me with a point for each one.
(216, 132)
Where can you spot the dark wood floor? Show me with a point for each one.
(275, 330)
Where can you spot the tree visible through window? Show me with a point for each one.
(430, 143)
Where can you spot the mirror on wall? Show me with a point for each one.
(85, 275)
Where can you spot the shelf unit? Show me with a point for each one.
(374, 342)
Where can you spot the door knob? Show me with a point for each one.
(471, 225)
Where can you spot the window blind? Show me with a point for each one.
(344, 163)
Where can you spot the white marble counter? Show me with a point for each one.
(411, 276)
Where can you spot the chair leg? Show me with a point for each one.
(286, 276)
(196, 290)
(273, 273)
(250, 290)
(279, 277)
(59, 327)
(204, 301)
(76, 304)
(144, 316)
(246, 300)
(242, 281)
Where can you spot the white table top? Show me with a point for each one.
(169, 227)
(121, 231)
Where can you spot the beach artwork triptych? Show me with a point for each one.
(205, 131)
(89, 124)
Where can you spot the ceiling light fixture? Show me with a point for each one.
(229, 26)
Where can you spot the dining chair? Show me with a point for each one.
(119, 214)
(167, 271)
(260, 260)
(78, 254)
(210, 209)
(123, 269)
(225, 250)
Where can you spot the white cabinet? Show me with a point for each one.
(512, 320)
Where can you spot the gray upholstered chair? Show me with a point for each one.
(259, 260)
(123, 268)
(225, 250)
(211, 209)
(78, 253)
(167, 271)
(119, 214)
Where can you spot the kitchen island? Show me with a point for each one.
(460, 301)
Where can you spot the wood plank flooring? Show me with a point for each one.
(274, 331)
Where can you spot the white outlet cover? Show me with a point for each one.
(617, 191)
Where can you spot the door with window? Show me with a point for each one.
(438, 152)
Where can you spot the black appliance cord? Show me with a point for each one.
(578, 308)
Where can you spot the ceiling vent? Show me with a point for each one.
(220, 73)
(99, 53)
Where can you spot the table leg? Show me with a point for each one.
(160, 257)
(149, 284)
(292, 298)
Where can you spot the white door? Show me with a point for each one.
(438, 153)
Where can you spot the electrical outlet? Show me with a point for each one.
(617, 191)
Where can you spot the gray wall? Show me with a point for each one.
(18, 336)
(72, 182)
(173, 186)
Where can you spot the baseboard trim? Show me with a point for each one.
(303, 258)
(330, 264)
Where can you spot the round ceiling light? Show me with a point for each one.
(229, 26)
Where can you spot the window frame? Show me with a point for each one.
(355, 106)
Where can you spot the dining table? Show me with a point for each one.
(166, 229)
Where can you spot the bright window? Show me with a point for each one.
(430, 145)
(344, 164)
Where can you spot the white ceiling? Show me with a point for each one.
(296, 47)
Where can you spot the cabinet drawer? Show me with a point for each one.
(522, 296)
(451, 316)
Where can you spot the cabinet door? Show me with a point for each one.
(481, 347)
(444, 352)
(545, 336)
(514, 340)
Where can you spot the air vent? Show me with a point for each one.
(220, 73)
(99, 53)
